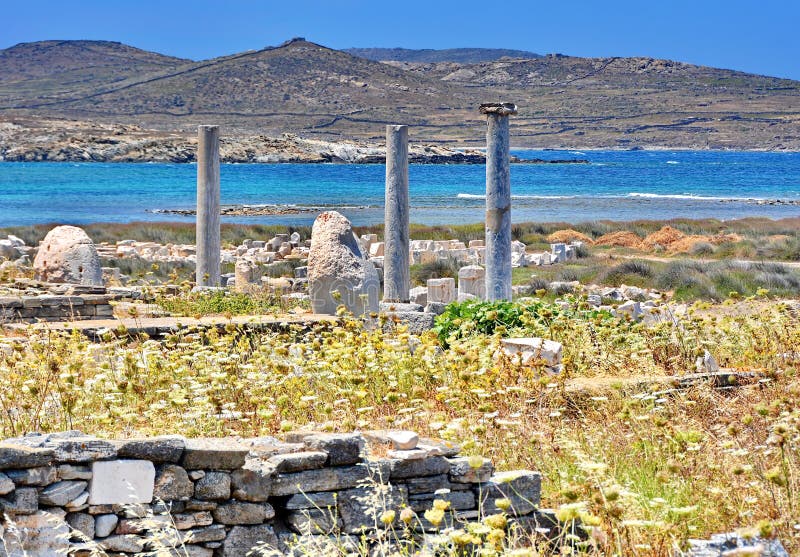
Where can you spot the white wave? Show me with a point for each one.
(673, 162)
(691, 196)
(481, 196)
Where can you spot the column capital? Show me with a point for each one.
(501, 109)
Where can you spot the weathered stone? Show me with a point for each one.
(172, 483)
(61, 493)
(41, 476)
(6, 484)
(73, 472)
(20, 456)
(82, 522)
(68, 255)
(324, 479)
(184, 521)
(197, 505)
(459, 500)
(358, 517)
(733, 545)
(128, 543)
(253, 482)
(297, 462)
(293, 545)
(213, 533)
(400, 469)
(243, 539)
(427, 484)
(45, 534)
(312, 521)
(79, 503)
(237, 512)
(521, 487)
(441, 290)
(121, 482)
(83, 449)
(319, 500)
(548, 351)
(342, 448)
(417, 322)
(213, 454)
(214, 485)
(462, 472)
(104, 524)
(168, 449)
(336, 264)
(403, 440)
(24, 500)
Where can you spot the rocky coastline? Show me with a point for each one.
(73, 141)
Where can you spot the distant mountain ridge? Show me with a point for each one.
(305, 88)
(427, 55)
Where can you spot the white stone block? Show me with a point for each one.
(533, 348)
(441, 290)
(472, 280)
(117, 482)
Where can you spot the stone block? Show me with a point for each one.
(20, 456)
(417, 321)
(40, 476)
(172, 483)
(521, 487)
(324, 479)
(297, 462)
(73, 472)
(342, 448)
(243, 539)
(214, 485)
(459, 501)
(24, 500)
(61, 493)
(320, 500)
(413, 468)
(6, 484)
(83, 449)
(213, 533)
(127, 543)
(359, 516)
(185, 521)
(253, 482)
(462, 472)
(158, 450)
(82, 522)
(213, 454)
(313, 521)
(105, 524)
(427, 484)
(533, 348)
(119, 482)
(441, 290)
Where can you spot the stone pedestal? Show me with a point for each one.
(208, 216)
(441, 290)
(396, 274)
(498, 201)
(472, 280)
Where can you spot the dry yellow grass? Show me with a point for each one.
(623, 239)
(569, 235)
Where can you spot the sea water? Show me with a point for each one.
(614, 185)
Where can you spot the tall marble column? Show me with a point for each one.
(396, 274)
(208, 216)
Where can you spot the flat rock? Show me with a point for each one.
(172, 483)
(320, 500)
(522, 488)
(19, 456)
(83, 449)
(127, 543)
(214, 485)
(214, 454)
(243, 539)
(462, 472)
(297, 462)
(342, 448)
(61, 493)
(324, 479)
(403, 440)
(253, 482)
(213, 533)
(119, 482)
(40, 476)
(358, 517)
(238, 513)
(24, 500)
(431, 466)
(167, 449)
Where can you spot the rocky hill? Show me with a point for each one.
(459, 55)
(316, 92)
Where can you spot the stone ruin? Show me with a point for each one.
(65, 493)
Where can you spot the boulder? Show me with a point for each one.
(338, 271)
(68, 255)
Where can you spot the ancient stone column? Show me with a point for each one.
(396, 275)
(498, 201)
(208, 219)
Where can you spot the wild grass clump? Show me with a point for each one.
(634, 272)
(194, 304)
(437, 269)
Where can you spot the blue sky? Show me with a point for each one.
(759, 37)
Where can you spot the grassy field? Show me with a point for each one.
(645, 470)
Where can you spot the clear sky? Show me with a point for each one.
(755, 36)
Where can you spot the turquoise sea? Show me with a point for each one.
(616, 185)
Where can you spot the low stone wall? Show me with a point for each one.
(14, 309)
(66, 493)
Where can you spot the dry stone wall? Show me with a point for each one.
(68, 492)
